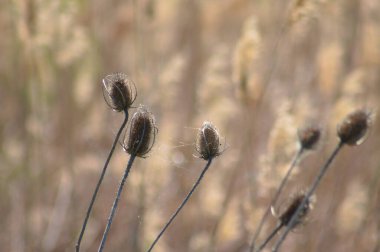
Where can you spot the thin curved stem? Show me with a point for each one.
(77, 247)
(307, 196)
(114, 206)
(182, 204)
(274, 232)
(275, 198)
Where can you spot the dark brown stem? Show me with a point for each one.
(274, 232)
(275, 198)
(306, 199)
(114, 206)
(77, 247)
(182, 205)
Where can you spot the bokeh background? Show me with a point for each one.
(257, 69)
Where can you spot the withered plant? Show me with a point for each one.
(351, 131)
(208, 147)
(141, 137)
(119, 93)
(285, 217)
(308, 138)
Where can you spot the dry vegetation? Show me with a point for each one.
(257, 69)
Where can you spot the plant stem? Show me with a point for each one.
(77, 247)
(182, 204)
(307, 196)
(275, 198)
(114, 206)
(274, 232)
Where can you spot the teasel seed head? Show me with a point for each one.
(208, 141)
(308, 137)
(142, 133)
(286, 216)
(121, 91)
(354, 127)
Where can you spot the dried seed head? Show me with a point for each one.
(354, 127)
(286, 216)
(142, 133)
(121, 91)
(309, 137)
(208, 142)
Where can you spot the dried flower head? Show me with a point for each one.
(287, 215)
(121, 91)
(309, 137)
(208, 141)
(354, 127)
(142, 133)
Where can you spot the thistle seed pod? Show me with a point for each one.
(354, 127)
(309, 137)
(292, 208)
(142, 133)
(208, 141)
(121, 91)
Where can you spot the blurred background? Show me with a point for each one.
(257, 69)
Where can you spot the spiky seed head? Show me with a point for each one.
(286, 216)
(309, 137)
(354, 127)
(121, 91)
(142, 133)
(208, 141)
